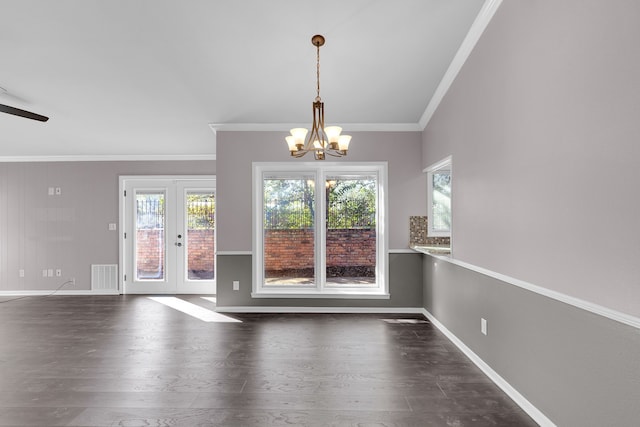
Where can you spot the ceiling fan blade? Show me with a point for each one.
(22, 113)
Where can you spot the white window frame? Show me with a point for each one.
(444, 164)
(320, 290)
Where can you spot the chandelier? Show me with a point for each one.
(321, 140)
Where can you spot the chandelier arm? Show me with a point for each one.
(333, 153)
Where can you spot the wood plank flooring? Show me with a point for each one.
(130, 361)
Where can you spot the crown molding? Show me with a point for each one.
(481, 22)
(285, 127)
(108, 158)
(476, 30)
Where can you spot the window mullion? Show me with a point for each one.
(321, 231)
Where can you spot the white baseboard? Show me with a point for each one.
(520, 400)
(271, 309)
(52, 292)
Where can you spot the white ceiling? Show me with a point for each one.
(148, 77)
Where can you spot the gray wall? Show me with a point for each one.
(543, 125)
(69, 231)
(407, 196)
(576, 367)
(405, 286)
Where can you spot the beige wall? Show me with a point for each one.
(543, 125)
(69, 231)
(237, 150)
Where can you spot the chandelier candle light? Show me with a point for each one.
(321, 140)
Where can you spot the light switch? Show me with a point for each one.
(112, 226)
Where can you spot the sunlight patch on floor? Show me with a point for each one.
(194, 310)
(210, 299)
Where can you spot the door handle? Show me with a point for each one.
(178, 244)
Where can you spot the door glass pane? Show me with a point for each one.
(351, 230)
(289, 238)
(201, 211)
(150, 235)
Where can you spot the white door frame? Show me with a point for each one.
(122, 214)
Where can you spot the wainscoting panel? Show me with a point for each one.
(576, 367)
(405, 286)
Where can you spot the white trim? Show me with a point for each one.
(319, 171)
(520, 400)
(285, 127)
(234, 253)
(51, 292)
(391, 251)
(609, 313)
(167, 177)
(122, 217)
(346, 310)
(107, 158)
(444, 164)
(351, 294)
(481, 22)
(439, 165)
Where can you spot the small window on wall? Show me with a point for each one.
(439, 198)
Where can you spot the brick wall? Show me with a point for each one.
(201, 250)
(350, 252)
(150, 251)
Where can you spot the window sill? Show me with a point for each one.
(325, 295)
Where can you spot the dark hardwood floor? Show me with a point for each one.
(130, 361)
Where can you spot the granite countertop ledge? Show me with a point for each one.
(432, 249)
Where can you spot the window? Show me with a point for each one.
(319, 230)
(439, 199)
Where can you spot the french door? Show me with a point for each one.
(168, 239)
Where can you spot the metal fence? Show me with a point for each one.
(150, 214)
(343, 216)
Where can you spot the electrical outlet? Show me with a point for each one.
(58, 272)
(44, 272)
(58, 191)
(483, 326)
(21, 273)
(51, 191)
(50, 272)
(236, 285)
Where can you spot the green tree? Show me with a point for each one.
(351, 203)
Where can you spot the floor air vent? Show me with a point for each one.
(104, 278)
